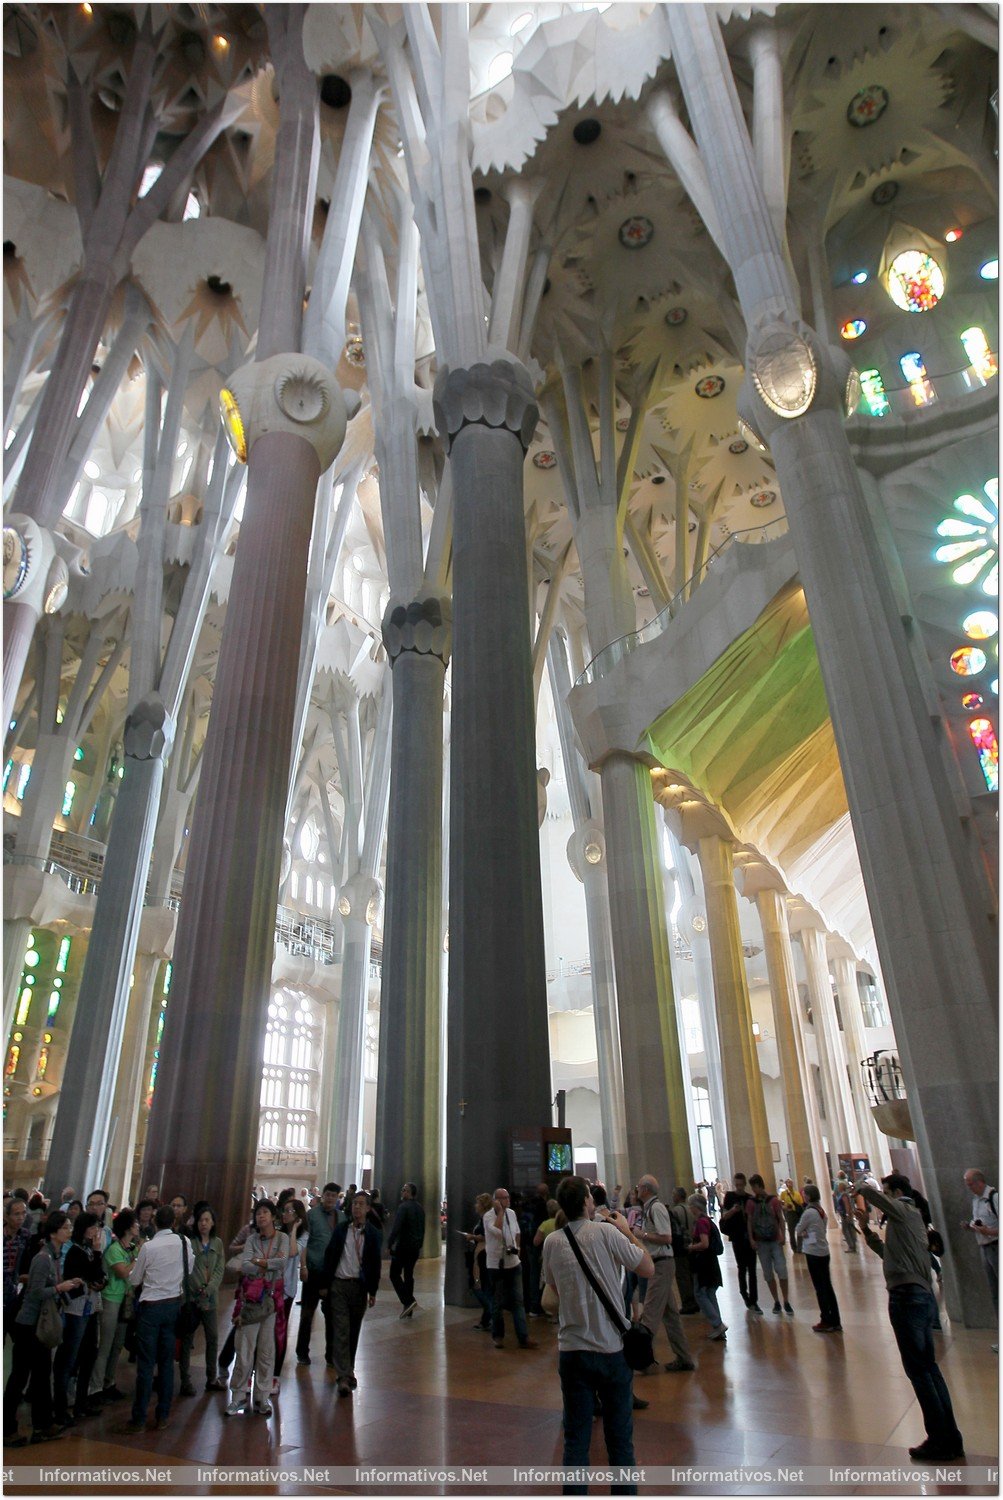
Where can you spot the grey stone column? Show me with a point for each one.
(498, 1040)
(344, 1156)
(745, 1105)
(80, 1134)
(829, 1038)
(935, 936)
(408, 1137)
(654, 1078)
(130, 1082)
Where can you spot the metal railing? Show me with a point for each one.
(927, 394)
(883, 1078)
(606, 659)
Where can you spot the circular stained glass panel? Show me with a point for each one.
(709, 387)
(972, 701)
(853, 328)
(915, 281)
(968, 661)
(981, 626)
(636, 232)
(867, 105)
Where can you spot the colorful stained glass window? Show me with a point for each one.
(13, 1057)
(983, 737)
(6, 773)
(64, 955)
(971, 702)
(873, 388)
(976, 550)
(853, 328)
(981, 625)
(43, 1063)
(23, 774)
(980, 356)
(78, 753)
(968, 661)
(914, 370)
(24, 1005)
(54, 998)
(168, 975)
(69, 792)
(915, 281)
(990, 270)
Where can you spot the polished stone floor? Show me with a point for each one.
(433, 1391)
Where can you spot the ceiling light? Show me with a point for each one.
(858, 278)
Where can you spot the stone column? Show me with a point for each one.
(938, 945)
(844, 970)
(344, 1154)
(800, 1108)
(654, 1078)
(745, 1105)
(840, 1119)
(408, 1145)
(83, 1116)
(498, 1039)
(130, 1080)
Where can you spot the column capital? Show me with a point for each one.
(32, 572)
(790, 372)
(424, 626)
(498, 393)
(149, 730)
(290, 393)
(689, 815)
(804, 918)
(754, 876)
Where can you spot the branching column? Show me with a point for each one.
(498, 1041)
(745, 1105)
(844, 972)
(936, 939)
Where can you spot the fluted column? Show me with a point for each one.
(408, 1145)
(654, 1079)
(841, 1121)
(745, 1105)
(347, 1052)
(800, 1107)
(83, 1116)
(844, 971)
(130, 1081)
(498, 1040)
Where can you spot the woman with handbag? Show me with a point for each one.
(705, 1266)
(37, 1331)
(258, 1308)
(116, 1304)
(204, 1282)
(292, 1215)
(81, 1321)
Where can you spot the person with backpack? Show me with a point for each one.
(767, 1228)
(734, 1224)
(655, 1234)
(682, 1236)
(811, 1233)
(705, 1267)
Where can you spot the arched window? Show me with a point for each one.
(290, 1075)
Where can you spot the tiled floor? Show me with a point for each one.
(432, 1391)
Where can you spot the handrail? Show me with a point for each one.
(615, 652)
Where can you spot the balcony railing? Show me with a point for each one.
(927, 394)
(605, 660)
(883, 1078)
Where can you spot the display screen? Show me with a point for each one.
(559, 1157)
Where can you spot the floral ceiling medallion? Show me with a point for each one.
(545, 459)
(762, 498)
(622, 423)
(709, 387)
(884, 193)
(867, 106)
(675, 316)
(738, 445)
(636, 232)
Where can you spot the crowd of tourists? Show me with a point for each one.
(86, 1286)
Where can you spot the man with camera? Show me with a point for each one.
(590, 1345)
(501, 1247)
(912, 1309)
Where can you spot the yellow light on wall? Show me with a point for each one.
(233, 424)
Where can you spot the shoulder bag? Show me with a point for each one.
(638, 1347)
(187, 1319)
(49, 1328)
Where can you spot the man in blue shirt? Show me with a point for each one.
(321, 1222)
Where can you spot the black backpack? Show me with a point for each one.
(681, 1236)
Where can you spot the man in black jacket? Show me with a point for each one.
(351, 1274)
(407, 1234)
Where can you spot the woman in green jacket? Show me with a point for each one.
(208, 1265)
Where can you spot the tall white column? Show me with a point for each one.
(844, 970)
(840, 1117)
